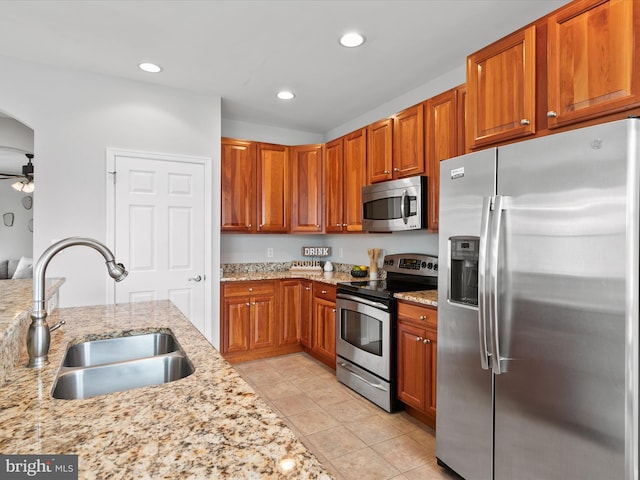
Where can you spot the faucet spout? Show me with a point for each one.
(39, 336)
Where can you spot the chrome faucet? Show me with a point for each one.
(39, 335)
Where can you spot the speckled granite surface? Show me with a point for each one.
(16, 298)
(209, 425)
(426, 297)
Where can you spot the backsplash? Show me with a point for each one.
(259, 267)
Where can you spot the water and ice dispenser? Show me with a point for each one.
(463, 286)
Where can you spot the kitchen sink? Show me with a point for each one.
(98, 352)
(102, 366)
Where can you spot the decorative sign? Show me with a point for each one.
(316, 251)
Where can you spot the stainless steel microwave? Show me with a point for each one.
(395, 205)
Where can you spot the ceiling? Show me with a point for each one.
(247, 50)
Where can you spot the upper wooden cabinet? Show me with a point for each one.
(501, 82)
(273, 188)
(355, 177)
(344, 176)
(238, 189)
(380, 151)
(306, 188)
(442, 142)
(408, 142)
(593, 60)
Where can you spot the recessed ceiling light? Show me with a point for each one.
(285, 95)
(351, 40)
(150, 67)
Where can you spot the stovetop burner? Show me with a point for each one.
(405, 273)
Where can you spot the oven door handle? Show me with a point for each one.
(354, 298)
(346, 366)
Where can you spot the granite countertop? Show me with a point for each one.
(210, 424)
(425, 297)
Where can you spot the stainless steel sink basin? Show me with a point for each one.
(85, 382)
(108, 365)
(99, 352)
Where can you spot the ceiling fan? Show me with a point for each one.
(25, 184)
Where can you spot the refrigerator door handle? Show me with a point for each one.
(485, 355)
(494, 250)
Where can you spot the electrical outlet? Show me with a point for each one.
(340, 253)
(269, 252)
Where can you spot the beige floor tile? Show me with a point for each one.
(373, 429)
(315, 382)
(263, 376)
(403, 452)
(336, 442)
(328, 396)
(429, 471)
(294, 404)
(273, 391)
(364, 464)
(313, 421)
(351, 410)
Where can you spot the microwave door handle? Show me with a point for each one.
(482, 282)
(403, 211)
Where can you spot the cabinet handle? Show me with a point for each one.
(423, 317)
(426, 340)
(524, 121)
(551, 114)
(418, 339)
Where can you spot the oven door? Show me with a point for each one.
(363, 333)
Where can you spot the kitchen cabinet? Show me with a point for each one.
(501, 89)
(380, 151)
(417, 359)
(272, 188)
(323, 335)
(290, 306)
(238, 188)
(248, 318)
(306, 188)
(408, 142)
(345, 174)
(442, 142)
(593, 60)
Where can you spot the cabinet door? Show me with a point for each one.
(306, 312)
(290, 312)
(355, 177)
(324, 330)
(408, 142)
(441, 144)
(238, 193)
(236, 314)
(273, 188)
(379, 150)
(594, 60)
(333, 186)
(501, 89)
(306, 188)
(263, 316)
(430, 342)
(412, 364)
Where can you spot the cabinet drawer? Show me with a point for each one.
(237, 289)
(418, 314)
(324, 290)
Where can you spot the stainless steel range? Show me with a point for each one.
(366, 325)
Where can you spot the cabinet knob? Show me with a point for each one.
(307, 288)
(251, 289)
(333, 310)
(248, 304)
(396, 169)
(426, 340)
(317, 226)
(386, 172)
(339, 225)
(249, 225)
(423, 317)
(261, 225)
(418, 339)
(324, 292)
(345, 224)
(253, 303)
(524, 121)
(551, 114)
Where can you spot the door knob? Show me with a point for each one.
(197, 278)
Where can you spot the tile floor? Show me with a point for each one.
(352, 437)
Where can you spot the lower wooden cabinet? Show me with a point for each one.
(323, 334)
(306, 312)
(417, 359)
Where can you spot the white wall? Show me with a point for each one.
(15, 241)
(268, 134)
(75, 117)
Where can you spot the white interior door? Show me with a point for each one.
(159, 231)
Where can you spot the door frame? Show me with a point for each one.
(206, 162)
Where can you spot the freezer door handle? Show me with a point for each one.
(499, 204)
(485, 356)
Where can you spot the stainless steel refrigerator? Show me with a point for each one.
(538, 308)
